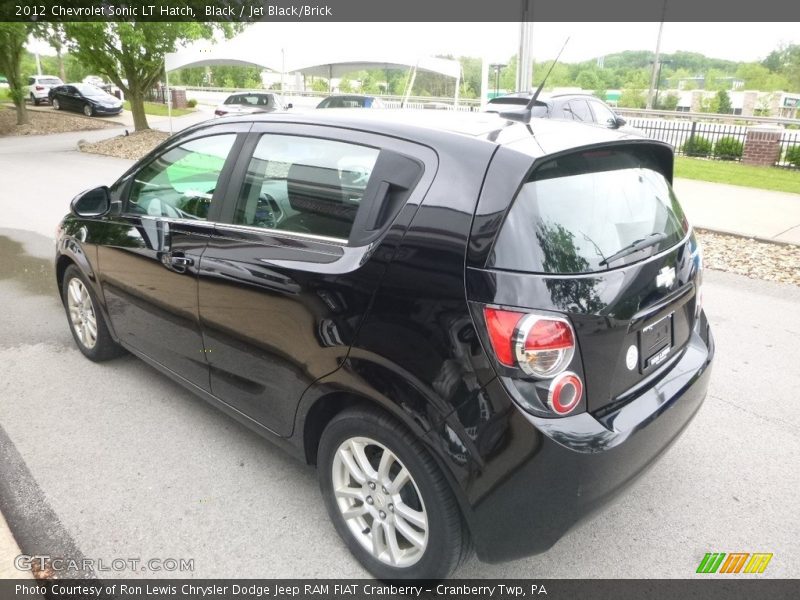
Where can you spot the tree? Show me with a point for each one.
(632, 98)
(131, 54)
(724, 103)
(55, 35)
(13, 37)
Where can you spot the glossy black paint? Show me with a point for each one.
(282, 330)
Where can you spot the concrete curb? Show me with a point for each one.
(746, 236)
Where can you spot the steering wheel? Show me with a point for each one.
(268, 212)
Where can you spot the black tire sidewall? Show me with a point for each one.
(444, 544)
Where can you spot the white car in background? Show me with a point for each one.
(39, 87)
(97, 81)
(248, 103)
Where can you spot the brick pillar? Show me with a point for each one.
(762, 146)
(697, 98)
(178, 98)
(749, 103)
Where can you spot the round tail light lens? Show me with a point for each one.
(543, 346)
(540, 346)
(565, 393)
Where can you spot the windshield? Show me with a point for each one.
(590, 212)
(249, 99)
(90, 90)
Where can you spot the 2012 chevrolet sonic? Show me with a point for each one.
(478, 330)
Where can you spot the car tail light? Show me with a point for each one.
(39, 88)
(220, 113)
(565, 393)
(540, 346)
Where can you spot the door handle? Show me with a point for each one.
(181, 261)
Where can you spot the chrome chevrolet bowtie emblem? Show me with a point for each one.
(665, 277)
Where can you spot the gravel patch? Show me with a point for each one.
(751, 258)
(132, 147)
(48, 122)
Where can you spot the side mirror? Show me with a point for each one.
(619, 122)
(92, 203)
(290, 105)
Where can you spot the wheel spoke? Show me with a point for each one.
(408, 532)
(387, 458)
(363, 462)
(391, 539)
(350, 492)
(400, 480)
(354, 511)
(350, 464)
(415, 517)
(378, 543)
(75, 291)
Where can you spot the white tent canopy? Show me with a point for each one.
(300, 58)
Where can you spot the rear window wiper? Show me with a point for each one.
(635, 246)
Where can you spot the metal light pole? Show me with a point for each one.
(497, 67)
(655, 59)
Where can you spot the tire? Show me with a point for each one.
(88, 110)
(34, 100)
(81, 306)
(442, 540)
(56, 104)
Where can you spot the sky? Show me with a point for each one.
(499, 41)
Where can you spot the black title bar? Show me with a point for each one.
(400, 10)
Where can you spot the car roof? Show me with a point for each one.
(537, 138)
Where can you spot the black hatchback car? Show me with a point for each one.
(478, 330)
(86, 98)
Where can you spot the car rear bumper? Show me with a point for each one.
(580, 463)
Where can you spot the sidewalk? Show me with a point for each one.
(741, 210)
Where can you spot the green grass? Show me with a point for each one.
(5, 95)
(160, 110)
(734, 173)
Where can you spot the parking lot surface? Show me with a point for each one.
(114, 460)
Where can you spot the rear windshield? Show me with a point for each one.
(590, 212)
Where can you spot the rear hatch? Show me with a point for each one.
(598, 237)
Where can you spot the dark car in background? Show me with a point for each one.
(248, 103)
(86, 98)
(582, 108)
(351, 101)
(478, 330)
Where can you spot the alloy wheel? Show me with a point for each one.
(81, 313)
(87, 110)
(56, 104)
(380, 502)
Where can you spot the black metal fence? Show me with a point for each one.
(694, 138)
(789, 156)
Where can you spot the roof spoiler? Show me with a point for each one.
(523, 115)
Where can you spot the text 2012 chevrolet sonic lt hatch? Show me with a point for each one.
(479, 330)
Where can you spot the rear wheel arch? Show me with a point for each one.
(329, 405)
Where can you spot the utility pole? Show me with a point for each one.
(525, 53)
(655, 60)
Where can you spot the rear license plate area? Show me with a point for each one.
(656, 340)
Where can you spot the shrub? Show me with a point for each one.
(793, 156)
(697, 146)
(191, 103)
(728, 148)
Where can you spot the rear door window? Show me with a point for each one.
(305, 185)
(590, 211)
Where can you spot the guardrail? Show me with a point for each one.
(707, 117)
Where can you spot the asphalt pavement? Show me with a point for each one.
(117, 461)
